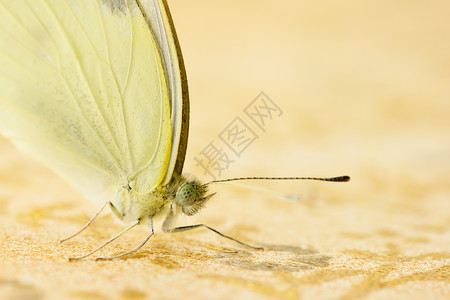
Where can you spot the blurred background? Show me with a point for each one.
(362, 85)
(364, 90)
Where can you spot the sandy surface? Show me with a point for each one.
(364, 90)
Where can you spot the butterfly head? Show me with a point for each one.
(191, 196)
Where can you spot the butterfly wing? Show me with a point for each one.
(83, 87)
(160, 21)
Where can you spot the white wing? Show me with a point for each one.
(83, 88)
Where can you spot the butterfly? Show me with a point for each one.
(97, 90)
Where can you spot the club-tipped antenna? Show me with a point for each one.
(344, 178)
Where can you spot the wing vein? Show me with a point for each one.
(70, 88)
(126, 84)
(101, 77)
(114, 76)
(29, 34)
(56, 129)
(48, 97)
(130, 54)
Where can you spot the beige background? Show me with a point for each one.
(365, 91)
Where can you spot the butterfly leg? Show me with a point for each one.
(107, 242)
(150, 224)
(185, 228)
(87, 224)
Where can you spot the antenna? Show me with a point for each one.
(344, 178)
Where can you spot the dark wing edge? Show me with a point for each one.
(182, 147)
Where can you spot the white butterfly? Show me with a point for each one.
(97, 90)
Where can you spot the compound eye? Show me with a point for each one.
(186, 195)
